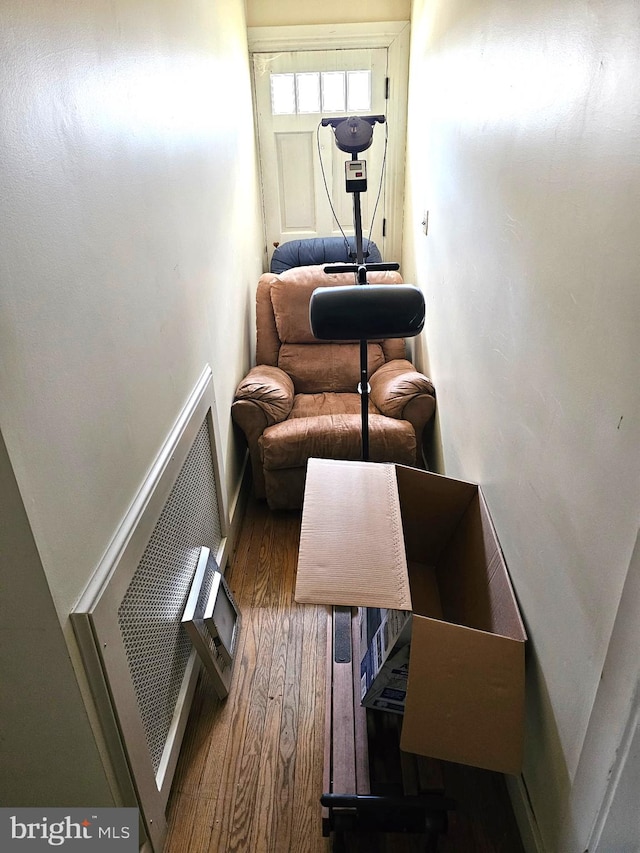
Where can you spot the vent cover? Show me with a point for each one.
(156, 644)
(140, 662)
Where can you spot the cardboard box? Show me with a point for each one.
(385, 636)
(382, 535)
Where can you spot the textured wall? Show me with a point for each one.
(129, 249)
(129, 252)
(523, 148)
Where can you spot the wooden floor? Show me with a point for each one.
(249, 777)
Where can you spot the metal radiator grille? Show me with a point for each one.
(156, 645)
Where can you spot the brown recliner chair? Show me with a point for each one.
(301, 399)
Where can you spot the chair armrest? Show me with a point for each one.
(270, 389)
(396, 384)
(399, 391)
(264, 397)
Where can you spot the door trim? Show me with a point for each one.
(393, 35)
(325, 36)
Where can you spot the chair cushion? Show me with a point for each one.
(327, 366)
(290, 300)
(291, 311)
(290, 444)
(296, 327)
(311, 405)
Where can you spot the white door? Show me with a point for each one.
(303, 172)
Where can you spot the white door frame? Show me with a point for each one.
(393, 35)
(611, 741)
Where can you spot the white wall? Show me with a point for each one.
(523, 147)
(48, 754)
(129, 252)
(273, 13)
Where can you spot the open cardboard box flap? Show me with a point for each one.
(362, 525)
(351, 545)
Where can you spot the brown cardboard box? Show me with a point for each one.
(382, 535)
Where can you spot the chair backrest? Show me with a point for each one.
(284, 338)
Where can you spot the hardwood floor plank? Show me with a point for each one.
(191, 824)
(273, 793)
(232, 715)
(306, 830)
(244, 747)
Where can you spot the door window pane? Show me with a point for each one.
(337, 91)
(308, 85)
(333, 99)
(283, 96)
(358, 90)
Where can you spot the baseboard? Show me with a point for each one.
(525, 818)
(237, 506)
